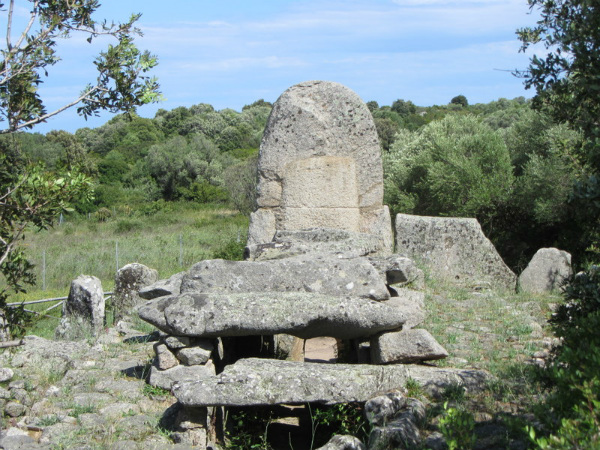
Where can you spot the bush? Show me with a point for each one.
(126, 226)
(232, 250)
(573, 370)
(456, 166)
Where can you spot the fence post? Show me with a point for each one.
(180, 250)
(44, 270)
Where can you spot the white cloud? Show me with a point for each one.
(242, 63)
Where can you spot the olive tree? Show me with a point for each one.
(30, 195)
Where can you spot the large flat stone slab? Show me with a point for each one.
(268, 382)
(301, 314)
(320, 274)
(454, 249)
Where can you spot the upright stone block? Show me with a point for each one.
(320, 166)
(130, 279)
(453, 249)
(83, 311)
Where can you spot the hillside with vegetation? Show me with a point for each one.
(505, 163)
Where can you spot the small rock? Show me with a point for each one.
(52, 391)
(405, 346)
(118, 409)
(193, 356)
(4, 393)
(177, 342)
(6, 374)
(339, 442)
(380, 410)
(435, 441)
(17, 384)
(14, 409)
(164, 357)
(92, 420)
(22, 396)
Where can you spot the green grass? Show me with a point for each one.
(169, 240)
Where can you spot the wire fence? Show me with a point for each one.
(58, 301)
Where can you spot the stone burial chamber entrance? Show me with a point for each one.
(321, 312)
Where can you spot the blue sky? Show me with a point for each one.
(232, 52)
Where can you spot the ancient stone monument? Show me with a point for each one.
(319, 266)
(83, 311)
(320, 166)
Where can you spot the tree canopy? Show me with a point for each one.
(567, 84)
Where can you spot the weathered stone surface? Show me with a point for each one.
(402, 431)
(382, 409)
(548, 268)
(301, 314)
(14, 409)
(343, 243)
(409, 295)
(83, 311)
(343, 442)
(262, 226)
(268, 382)
(319, 274)
(319, 165)
(165, 359)
(453, 249)
(412, 309)
(128, 281)
(6, 374)
(399, 271)
(177, 342)
(179, 374)
(192, 356)
(161, 288)
(405, 346)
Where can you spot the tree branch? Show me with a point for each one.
(9, 25)
(29, 25)
(50, 114)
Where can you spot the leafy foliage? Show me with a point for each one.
(460, 100)
(458, 426)
(121, 84)
(31, 196)
(455, 166)
(567, 85)
(572, 373)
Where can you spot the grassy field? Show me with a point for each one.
(171, 238)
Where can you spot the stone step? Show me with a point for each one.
(256, 381)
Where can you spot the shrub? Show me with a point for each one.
(456, 166)
(232, 250)
(574, 367)
(103, 214)
(457, 426)
(126, 226)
